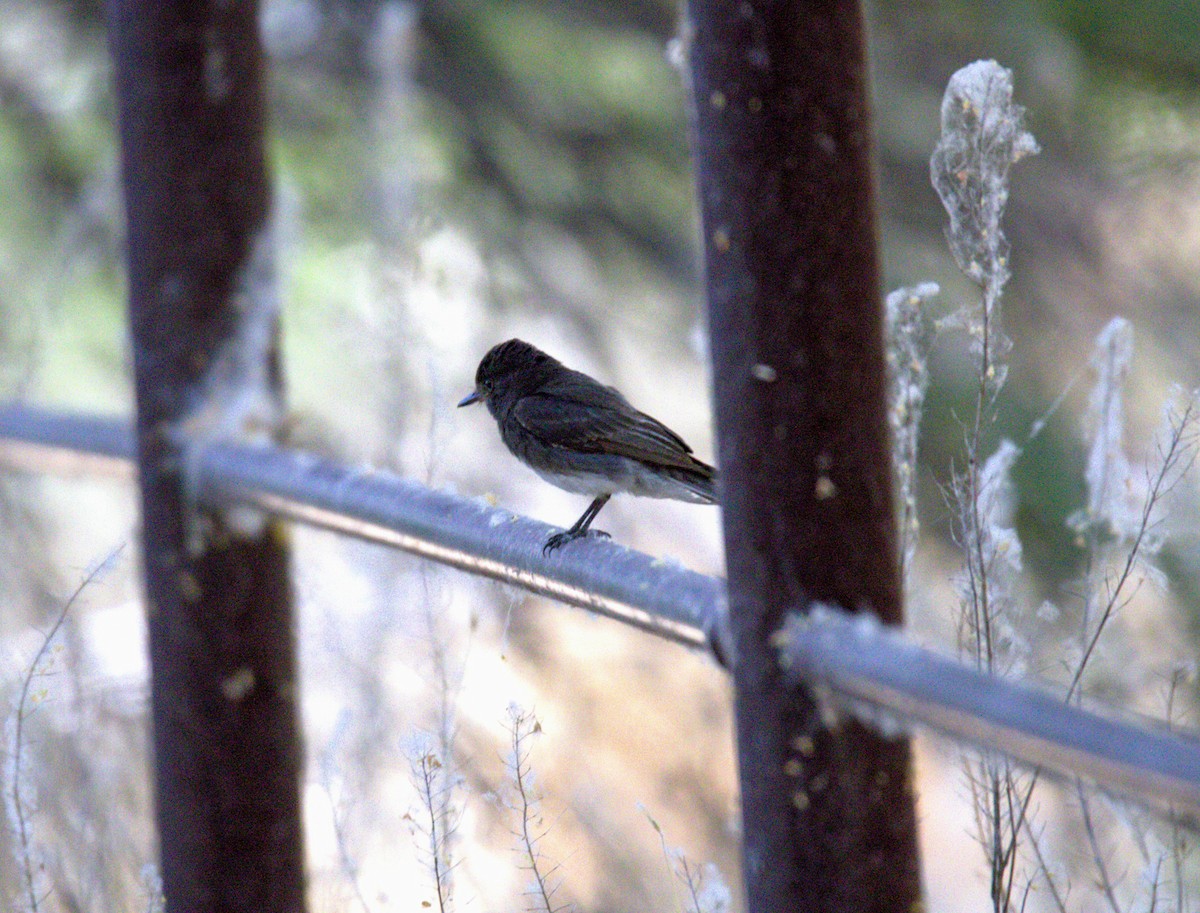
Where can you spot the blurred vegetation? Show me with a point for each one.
(551, 140)
(531, 116)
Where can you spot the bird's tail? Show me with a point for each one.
(700, 480)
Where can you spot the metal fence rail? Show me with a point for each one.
(857, 660)
(860, 660)
(600, 576)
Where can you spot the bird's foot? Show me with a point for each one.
(558, 540)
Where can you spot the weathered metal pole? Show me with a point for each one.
(226, 747)
(783, 150)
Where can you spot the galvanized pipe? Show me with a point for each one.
(855, 659)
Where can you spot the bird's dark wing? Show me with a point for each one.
(596, 419)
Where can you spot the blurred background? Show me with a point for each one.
(452, 174)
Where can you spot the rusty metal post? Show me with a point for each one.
(226, 747)
(783, 150)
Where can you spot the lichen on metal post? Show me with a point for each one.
(785, 177)
(203, 331)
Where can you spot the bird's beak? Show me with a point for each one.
(474, 397)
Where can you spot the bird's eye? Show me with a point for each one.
(487, 385)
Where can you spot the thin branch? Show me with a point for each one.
(17, 799)
(1107, 887)
(707, 892)
(1043, 867)
(1180, 449)
(522, 726)
(428, 784)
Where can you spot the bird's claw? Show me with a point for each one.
(558, 540)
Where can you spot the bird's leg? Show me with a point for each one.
(580, 528)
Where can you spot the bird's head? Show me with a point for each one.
(510, 369)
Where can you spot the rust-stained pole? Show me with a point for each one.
(223, 693)
(783, 151)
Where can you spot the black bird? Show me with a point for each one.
(582, 436)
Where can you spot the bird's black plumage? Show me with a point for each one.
(582, 436)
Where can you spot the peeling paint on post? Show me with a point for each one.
(783, 150)
(226, 747)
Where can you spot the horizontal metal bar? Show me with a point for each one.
(59, 443)
(856, 657)
(598, 575)
(594, 574)
(853, 657)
